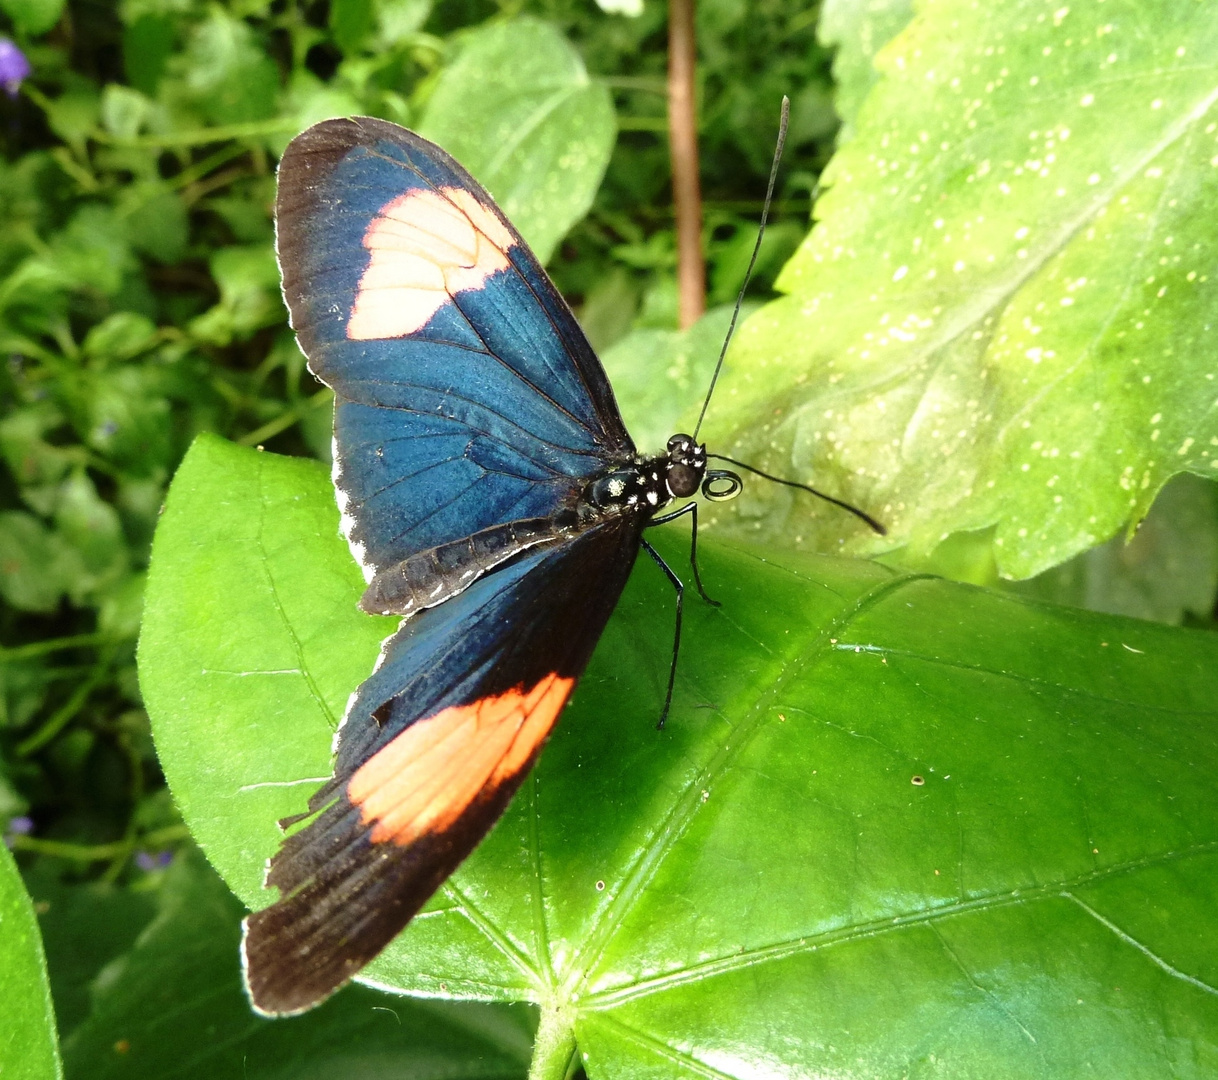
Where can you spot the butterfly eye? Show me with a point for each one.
(678, 442)
(682, 480)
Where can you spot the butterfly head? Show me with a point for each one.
(686, 466)
(686, 471)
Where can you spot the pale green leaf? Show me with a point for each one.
(858, 29)
(1005, 316)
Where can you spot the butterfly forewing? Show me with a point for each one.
(467, 395)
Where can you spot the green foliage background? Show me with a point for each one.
(139, 307)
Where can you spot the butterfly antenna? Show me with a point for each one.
(862, 515)
(748, 274)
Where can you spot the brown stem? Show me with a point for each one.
(683, 140)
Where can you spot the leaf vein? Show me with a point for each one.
(660, 1049)
(1133, 942)
(809, 943)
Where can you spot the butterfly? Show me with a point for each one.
(494, 500)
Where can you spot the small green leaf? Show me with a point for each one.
(35, 564)
(123, 607)
(92, 254)
(124, 110)
(1003, 316)
(121, 336)
(73, 116)
(230, 77)
(23, 690)
(91, 528)
(351, 22)
(127, 418)
(147, 44)
(731, 259)
(248, 220)
(28, 1046)
(173, 1006)
(28, 454)
(518, 109)
(893, 825)
(12, 802)
(157, 223)
(249, 294)
(398, 20)
(33, 16)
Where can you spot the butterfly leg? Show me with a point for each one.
(690, 508)
(676, 641)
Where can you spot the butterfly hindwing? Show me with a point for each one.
(434, 744)
(466, 394)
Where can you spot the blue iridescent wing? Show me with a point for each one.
(466, 394)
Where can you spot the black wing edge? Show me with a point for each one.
(301, 949)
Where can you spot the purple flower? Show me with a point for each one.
(18, 826)
(148, 862)
(14, 67)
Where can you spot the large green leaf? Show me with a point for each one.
(265, 537)
(518, 109)
(173, 1007)
(1003, 317)
(28, 1046)
(894, 826)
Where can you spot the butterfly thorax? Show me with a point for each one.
(640, 487)
(651, 483)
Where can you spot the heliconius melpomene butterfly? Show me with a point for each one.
(492, 497)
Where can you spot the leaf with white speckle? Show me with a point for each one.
(858, 29)
(1006, 316)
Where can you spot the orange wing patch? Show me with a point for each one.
(423, 780)
(426, 246)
